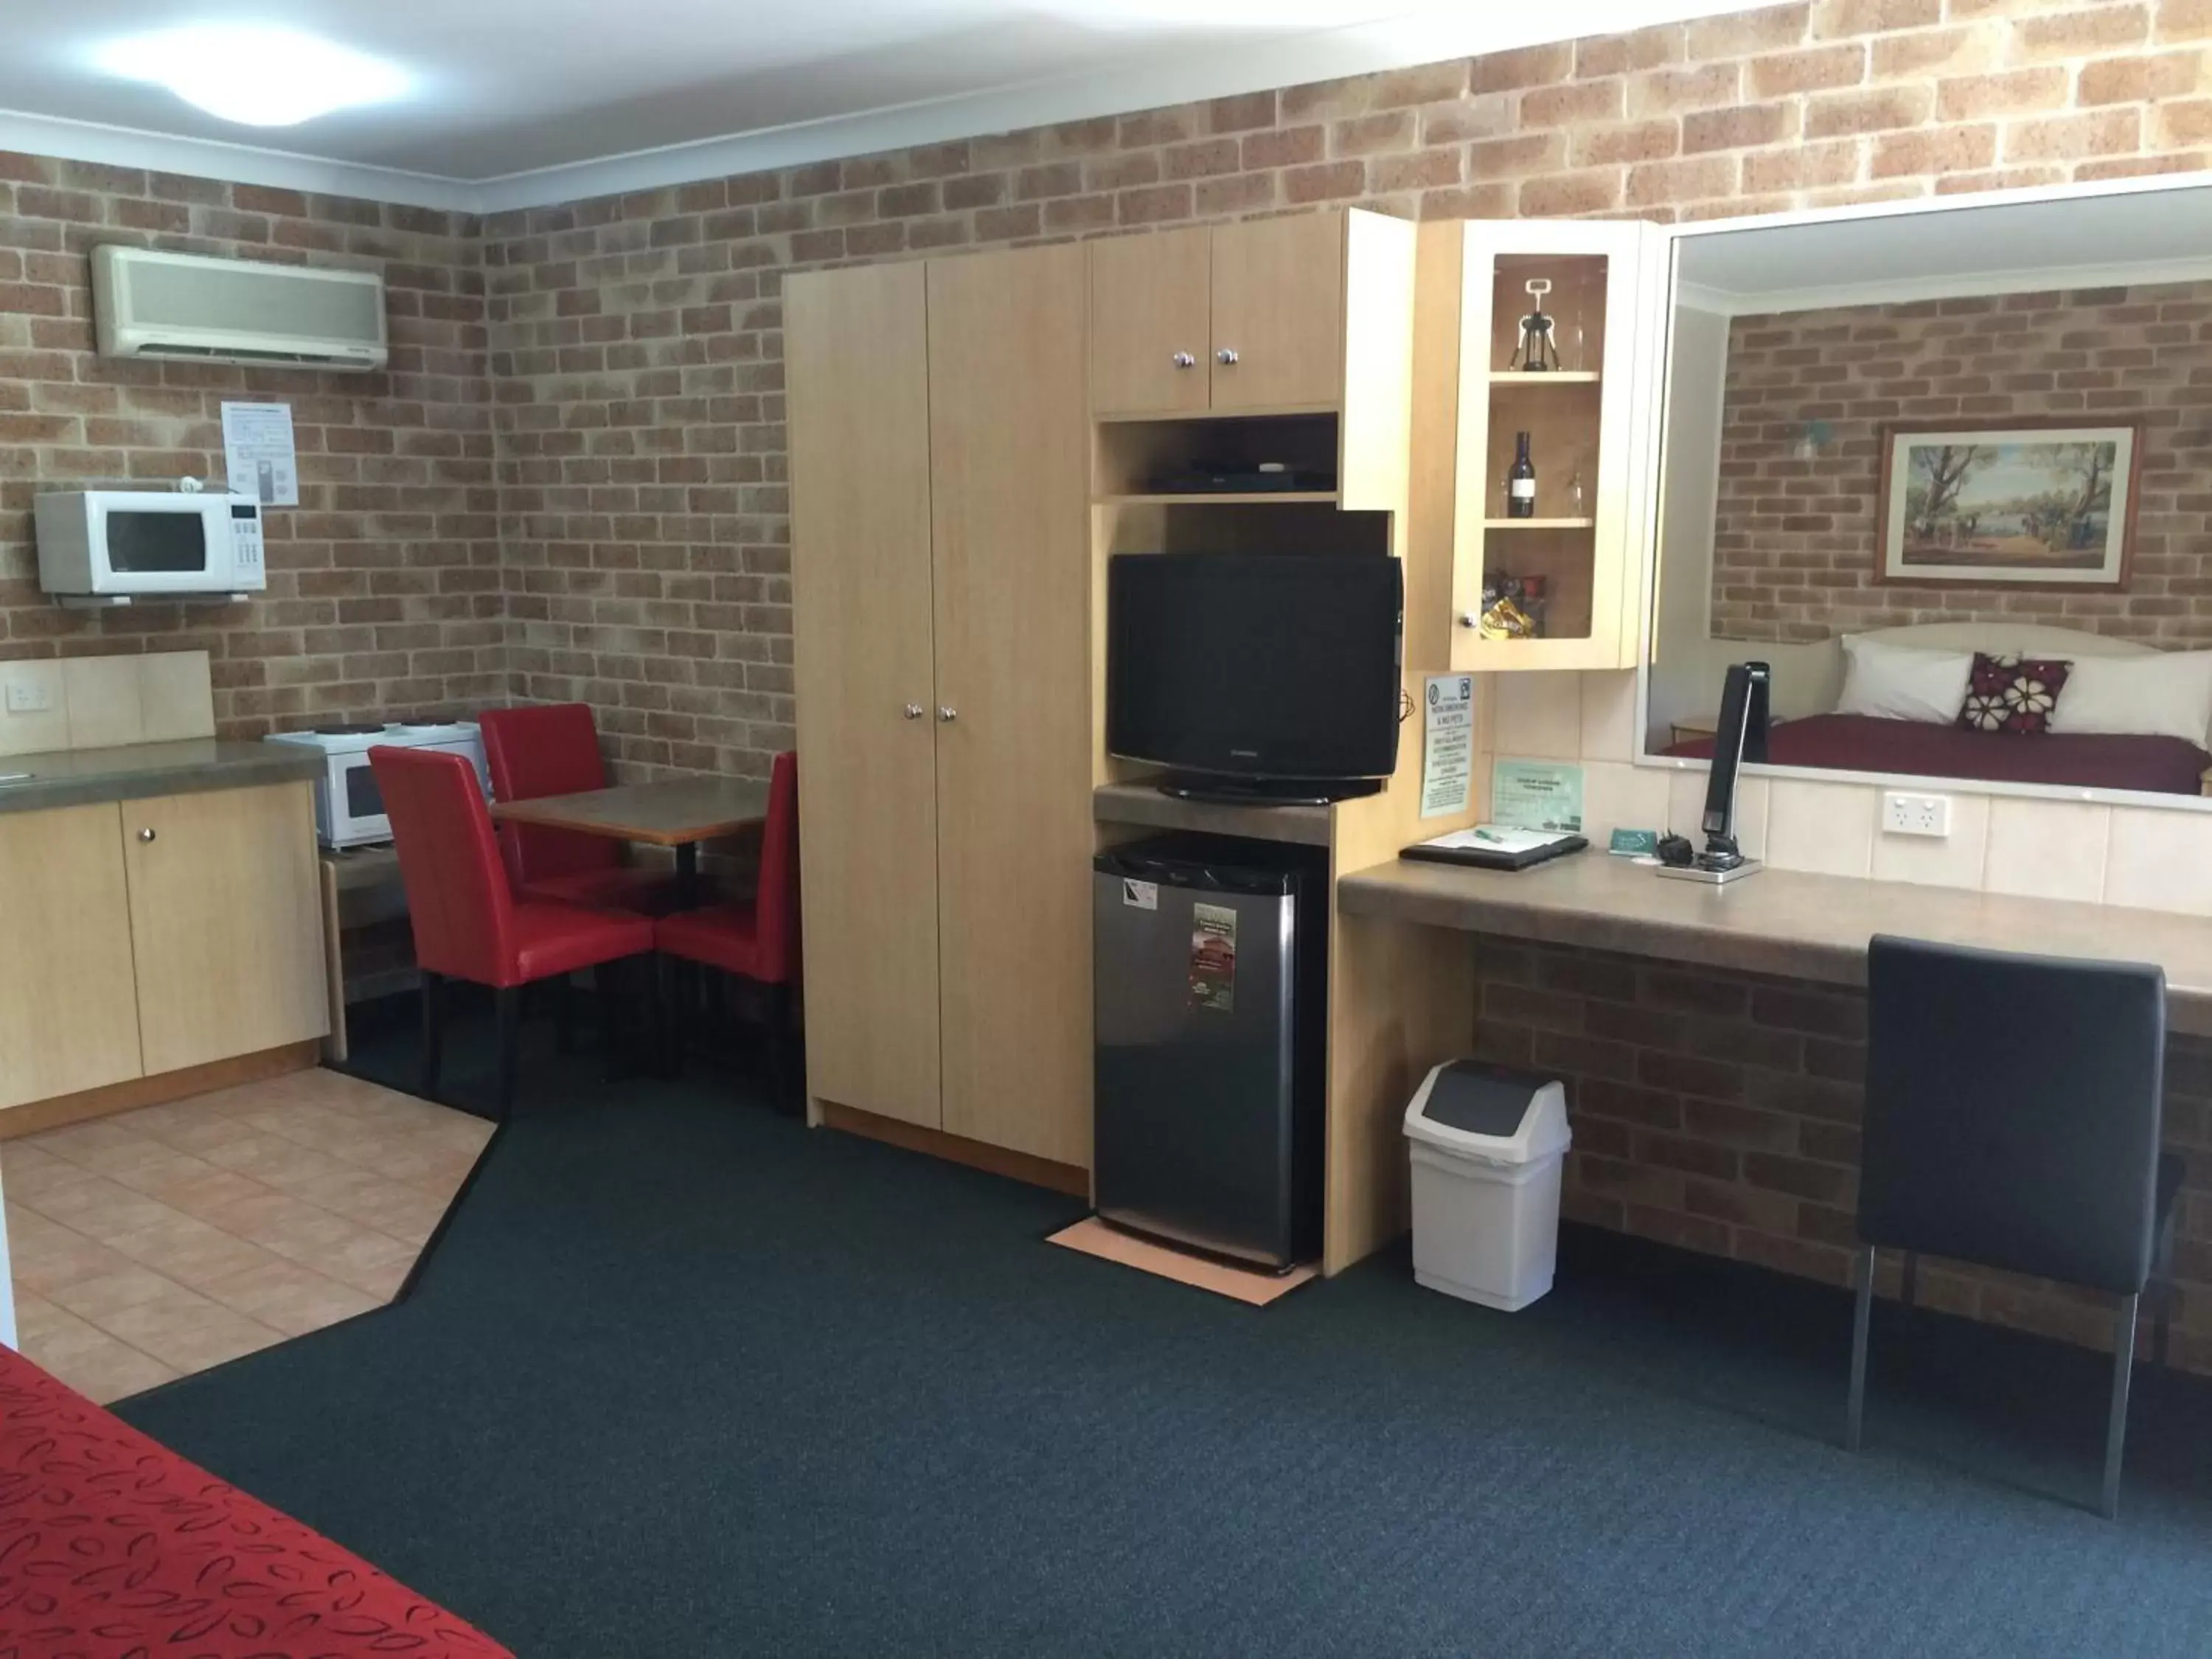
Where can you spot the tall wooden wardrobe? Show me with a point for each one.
(940, 574)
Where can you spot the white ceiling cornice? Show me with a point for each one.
(238, 164)
(1184, 77)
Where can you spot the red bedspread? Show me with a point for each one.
(112, 1547)
(1858, 742)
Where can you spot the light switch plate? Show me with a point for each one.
(1916, 815)
(31, 696)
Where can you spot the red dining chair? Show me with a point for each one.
(553, 749)
(468, 924)
(755, 940)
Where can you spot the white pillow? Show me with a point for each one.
(1900, 683)
(2165, 695)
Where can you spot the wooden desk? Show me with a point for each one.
(1778, 921)
(675, 812)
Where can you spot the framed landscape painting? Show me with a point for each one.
(2024, 503)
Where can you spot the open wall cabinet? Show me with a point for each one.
(1557, 583)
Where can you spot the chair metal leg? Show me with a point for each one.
(433, 1035)
(1909, 1287)
(564, 1012)
(509, 1000)
(2116, 1429)
(668, 1022)
(2165, 1292)
(1862, 1320)
(775, 1015)
(611, 988)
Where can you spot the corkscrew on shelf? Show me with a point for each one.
(1538, 352)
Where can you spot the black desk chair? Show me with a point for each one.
(2013, 1106)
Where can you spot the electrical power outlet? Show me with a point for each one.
(1916, 815)
(30, 697)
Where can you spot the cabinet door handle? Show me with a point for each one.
(946, 714)
(146, 836)
(1468, 619)
(1226, 357)
(1184, 360)
(913, 711)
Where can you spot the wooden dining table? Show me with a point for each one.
(673, 812)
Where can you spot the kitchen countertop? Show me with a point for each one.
(1779, 921)
(82, 777)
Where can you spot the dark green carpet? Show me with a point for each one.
(684, 1378)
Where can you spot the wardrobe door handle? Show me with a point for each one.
(1184, 360)
(913, 711)
(1226, 357)
(947, 715)
(146, 836)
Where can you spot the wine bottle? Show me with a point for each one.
(1521, 481)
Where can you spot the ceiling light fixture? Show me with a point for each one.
(255, 76)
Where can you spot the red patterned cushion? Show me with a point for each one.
(2012, 694)
(112, 1547)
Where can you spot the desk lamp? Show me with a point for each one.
(1741, 737)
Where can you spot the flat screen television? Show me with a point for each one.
(1266, 675)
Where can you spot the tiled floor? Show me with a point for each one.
(165, 1241)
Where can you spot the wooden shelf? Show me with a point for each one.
(1223, 416)
(1143, 803)
(1542, 377)
(1540, 524)
(1223, 498)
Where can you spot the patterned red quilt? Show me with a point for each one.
(111, 1547)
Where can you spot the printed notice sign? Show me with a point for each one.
(258, 452)
(1448, 757)
(1537, 795)
(1213, 957)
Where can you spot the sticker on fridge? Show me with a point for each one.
(1141, 895)
(1213, 957)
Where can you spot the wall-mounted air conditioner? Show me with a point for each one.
(180, 306)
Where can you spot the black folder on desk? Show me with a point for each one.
(1486, 846)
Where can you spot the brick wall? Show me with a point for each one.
(1794, 544)
(636, 340)
(1721, 1111)
(384, 589)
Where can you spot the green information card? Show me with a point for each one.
(1536, 795)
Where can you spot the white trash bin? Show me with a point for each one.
(1488, 1144)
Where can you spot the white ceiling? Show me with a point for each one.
(517, 102)
(2127, 231)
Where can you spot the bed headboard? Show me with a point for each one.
(1997, 638)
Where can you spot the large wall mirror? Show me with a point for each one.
(1950, 472)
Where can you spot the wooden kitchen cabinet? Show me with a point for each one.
(1561, 588)
(69, 1018)
(857, 343)
(1150, 329)
(941, 587)
(1255, 318)
(1009, 475)
(1277, 304)
(224, 935)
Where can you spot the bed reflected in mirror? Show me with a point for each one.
(1954, 481)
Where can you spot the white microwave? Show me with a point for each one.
(127, 544)
(349, 806)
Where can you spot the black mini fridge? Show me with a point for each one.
(1212, 985)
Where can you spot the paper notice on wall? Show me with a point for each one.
(1536, 795)
(258, 454)
(1448, 756)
